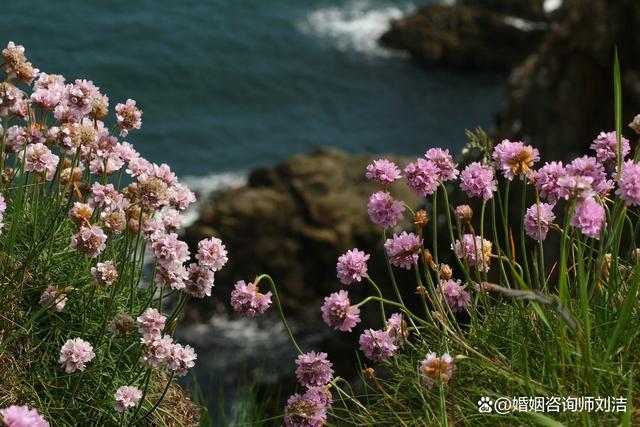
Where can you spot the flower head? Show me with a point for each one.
(454, 294)
(200, 281)
(444, 162)
(247, 300)
(22, 416)
(397, 329)
(464, 214)
(377, 345)
(423, 176)
(182, 358)
(383, 171)
(212, 253)
(75, 354)
(352, 266)
(338, 312)
(478, 180)
(39, 159)
(314, 369)
(403, 249)
(606, 147)
(89, 240)
(156, 351)
(589, 217)
(127, 397)
(305, 410)
(151, 323)
(104, 273)
(120, 325)
(53, 295)
(475, 249)
(537, 220)
(515, 158)
(629, 183)
(546, 179)
(384, 210)
(436, 370)
(128, 117)
(588, 167)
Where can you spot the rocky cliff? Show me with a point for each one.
(293, 221)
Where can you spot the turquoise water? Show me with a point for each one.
(228, 85)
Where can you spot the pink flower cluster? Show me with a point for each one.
(22, 416)
(454, 294)
(248, 301)
(338, 312)
(53, 296)
(126, 397)
(403, 249)
(475, 250)
(436, 370)
(75, 354)
(159, 351)
(352, 266)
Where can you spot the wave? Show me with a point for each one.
(356, 26)
(205, 186)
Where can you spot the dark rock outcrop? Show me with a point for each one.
(562, 95)
(293, 221)
(465, 36)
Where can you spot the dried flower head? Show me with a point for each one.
(121, 325)
(436, 370)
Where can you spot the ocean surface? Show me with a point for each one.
(229, 85)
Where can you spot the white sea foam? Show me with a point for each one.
(206, 185)
(551, 5)
(355, 26)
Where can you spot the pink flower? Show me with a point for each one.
(172, 220)
(436, 370)
(180, 197)
(247, 300)
(75, 354)
(444, 162)
(156, 351)
(307, 410)
(172, 275)
(127, 397)
(3, 207)
(515, 158)
(22, 416)
(606, 147)
(16, 65)
(403, 249)
(200, 281)
(589, 217)
(164, 174)
(397, 329)
(39, 159)
(89, 240)
(475, 250)
(212, 253)
(352, 266)
(338, 312)
(182, 358)
(106, 197)
(537, 220)
(314, 369)
(104, 273)
(629, 183)
(377, 345)
(454, 294)
(423, 177)
(478, 180)
(588, 167)
(53, 295)
(128, 117)
(168, 249)
(383, 210)
(151, 323)
(383, 172)
(546, 179)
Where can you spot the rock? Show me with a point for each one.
(526, 9)
(465, 36)
(561, 97)
(292, 222)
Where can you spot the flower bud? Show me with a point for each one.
(464, 214)
(421, 218)
(445, 272)
(635, 124)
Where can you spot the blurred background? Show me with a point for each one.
(238, 96)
